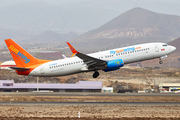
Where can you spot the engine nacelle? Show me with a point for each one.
(114, 65)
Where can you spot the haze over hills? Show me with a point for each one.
(23, 20)
(51, 36)
(41, 22)
(43, 16)
(133, 27)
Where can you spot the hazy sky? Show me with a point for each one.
(161, 6)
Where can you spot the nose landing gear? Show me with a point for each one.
(96, 74)
(160, 62)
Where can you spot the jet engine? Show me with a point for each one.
(114, 65)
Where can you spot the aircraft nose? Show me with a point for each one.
(172, 48)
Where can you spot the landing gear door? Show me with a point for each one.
(156, 48)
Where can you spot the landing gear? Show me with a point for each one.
(160, 62)
(96, 74)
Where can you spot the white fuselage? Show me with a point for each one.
(128, 54)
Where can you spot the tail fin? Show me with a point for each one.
(72, 49)
(21, 57)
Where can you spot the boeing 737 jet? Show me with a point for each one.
(108, 60)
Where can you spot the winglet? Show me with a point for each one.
(72, 49)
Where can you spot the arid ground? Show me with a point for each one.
(88, 112)
(122, 112)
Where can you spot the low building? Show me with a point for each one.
(107, 89)
(169, 88)
(81, 86)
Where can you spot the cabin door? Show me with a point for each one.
(156, 48)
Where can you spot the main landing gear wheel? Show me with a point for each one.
(96, 74)
(160, 62)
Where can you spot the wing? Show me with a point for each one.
(91, 62)
(19, 68)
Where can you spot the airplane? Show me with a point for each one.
(108, 60)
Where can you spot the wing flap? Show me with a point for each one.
(87, 58)
(91, 62)
(19, 68)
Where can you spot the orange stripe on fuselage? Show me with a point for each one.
(138, 48)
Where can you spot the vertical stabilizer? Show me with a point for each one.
(21, 57)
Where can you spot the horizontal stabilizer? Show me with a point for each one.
(19, 68)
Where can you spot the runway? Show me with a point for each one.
(89, 103)
(83, 94)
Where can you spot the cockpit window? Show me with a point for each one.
(164, 45)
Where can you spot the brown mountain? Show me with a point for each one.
(132, 27)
